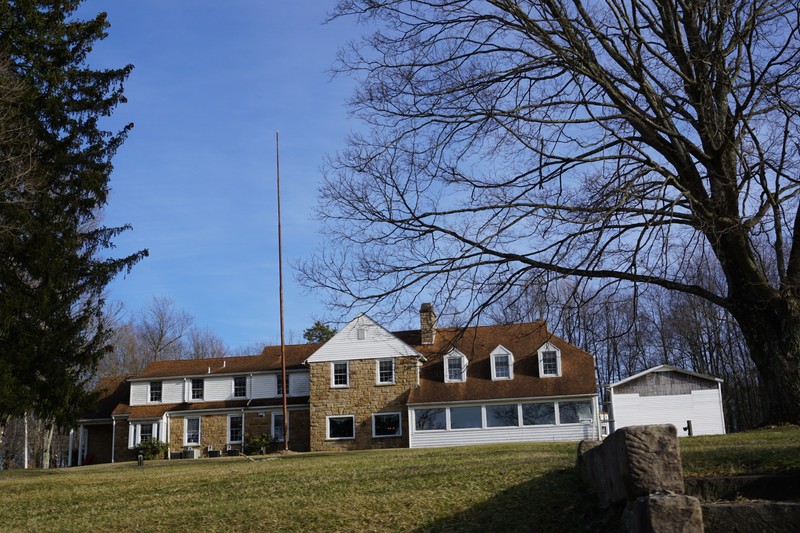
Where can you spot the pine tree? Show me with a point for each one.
(54, 264)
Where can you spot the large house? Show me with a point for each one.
(365, 388)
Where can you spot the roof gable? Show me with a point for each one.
(665, 368)
(362, 338)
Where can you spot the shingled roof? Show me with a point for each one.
(476, 343)
(268, 360)
(114, 391)
(158, 410)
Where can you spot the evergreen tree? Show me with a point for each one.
(54, 264)
(318, 333)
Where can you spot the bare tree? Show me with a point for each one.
(203, 343)
(607, 141)
(162, 330)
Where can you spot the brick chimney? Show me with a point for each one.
(427, 324)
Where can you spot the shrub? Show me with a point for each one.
(255, 444)
(151, 449)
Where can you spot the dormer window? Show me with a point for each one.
(502, 364)
(455, 367)
(549, 361)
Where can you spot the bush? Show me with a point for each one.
(151, 449)
(255, 444)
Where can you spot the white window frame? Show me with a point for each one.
(333, 374)
(233, 386)
(186, 431)
(501, 351)
(135, 432)
(202, 389)
(549, 347)
(273, 426)
(150, 392)
(455, 354)
(241, 438)
(399, 425)
(328, 427)
(378, 372)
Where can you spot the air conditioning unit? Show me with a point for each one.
(191, 453)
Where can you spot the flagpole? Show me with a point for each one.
(280, 284)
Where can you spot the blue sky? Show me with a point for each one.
(196, 179)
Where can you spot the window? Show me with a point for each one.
(340, 374)
(430, 419)
(341, 427)
(386, 425)
(537, 414)
(549, 361)
(502, 415)
(277, 426)
(197, 389)
(279, 388)
(502, 363)
(139, 432)
(385, 370)
(145, 432)
(155, 391)
(455, 367)
(235, 428)
(574, 412)
(466, 417)
(240, 386)
(191, 432)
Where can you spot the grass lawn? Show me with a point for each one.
(521, 487)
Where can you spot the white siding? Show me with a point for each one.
(464, 437)
(377, 343)
(140, 391)
(172, 391)
(299, 384)
(264, 386)
(218, 389)
(702, 407)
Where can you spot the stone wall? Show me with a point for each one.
(256, 424)
(362, 399)
(98, 449)
(176, 433)
(640, 467)
(121, 451)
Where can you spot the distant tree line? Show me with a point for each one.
(630, 330)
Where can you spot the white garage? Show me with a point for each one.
(668, 395)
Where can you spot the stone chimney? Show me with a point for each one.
(427, 324)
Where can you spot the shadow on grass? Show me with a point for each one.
(556, 501)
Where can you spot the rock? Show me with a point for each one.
(663, 513)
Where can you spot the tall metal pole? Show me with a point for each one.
(280, 284)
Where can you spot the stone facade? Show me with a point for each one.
(256, 423)
(176, 433)
(362, 398)
(121, 451)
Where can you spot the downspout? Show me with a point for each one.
(113, 438)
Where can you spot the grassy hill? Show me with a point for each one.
(522, 487)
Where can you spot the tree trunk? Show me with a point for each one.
(47, 444)
(773, 338)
